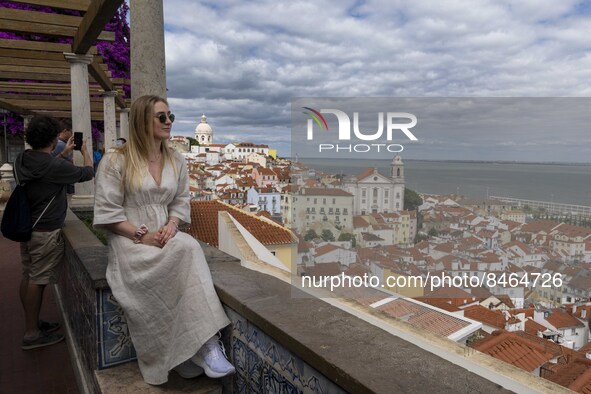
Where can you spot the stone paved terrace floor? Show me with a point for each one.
(45, 370)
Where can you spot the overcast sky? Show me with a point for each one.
(242, 62)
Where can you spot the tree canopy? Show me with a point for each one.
(411, 200)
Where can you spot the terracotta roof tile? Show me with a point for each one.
(324, 269)
(423, 317)
(532, 327)
(486, 316)
(357, 270)
(516, 350)
(561, 319)
(204, 224)
(324, 249)
(575, 374)
(539, 226)
(365, 173)
(359, 222)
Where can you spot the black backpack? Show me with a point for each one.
(17, 221)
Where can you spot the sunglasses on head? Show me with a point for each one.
(162, 117)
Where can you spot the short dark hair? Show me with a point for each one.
(65, 124)
(42, 131)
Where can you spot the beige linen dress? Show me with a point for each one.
(166, 293)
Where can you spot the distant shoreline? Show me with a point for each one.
(555, 163)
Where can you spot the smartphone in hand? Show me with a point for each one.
(78, 140)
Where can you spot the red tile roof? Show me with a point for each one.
(324, 249)
(575, 374)
(423, 317)
(486, 316)
(532, 327)
(365, 173)
(204, 224)
(561, 319)
(516, 350)
(359, 222)
(324, 269)
(357, 270)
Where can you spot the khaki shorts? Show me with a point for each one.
(41, 257)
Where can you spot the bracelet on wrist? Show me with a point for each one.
(176, 226)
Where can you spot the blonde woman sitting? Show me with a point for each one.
(158, 275)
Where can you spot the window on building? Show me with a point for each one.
(334, 200)
(386, 193)
(362, 192)
(375, 193)
(397, 195)
(315, 201)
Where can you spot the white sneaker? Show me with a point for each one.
(212, 358)
(188, 370)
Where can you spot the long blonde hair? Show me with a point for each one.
(136, 151)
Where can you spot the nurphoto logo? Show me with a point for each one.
(392, 120)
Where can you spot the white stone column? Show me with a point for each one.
(124, 124)
(26, 120)
(148, 66)
(110, 132)
(81, 112)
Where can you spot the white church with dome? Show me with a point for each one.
(204, 132)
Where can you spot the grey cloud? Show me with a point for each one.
(243, 62)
